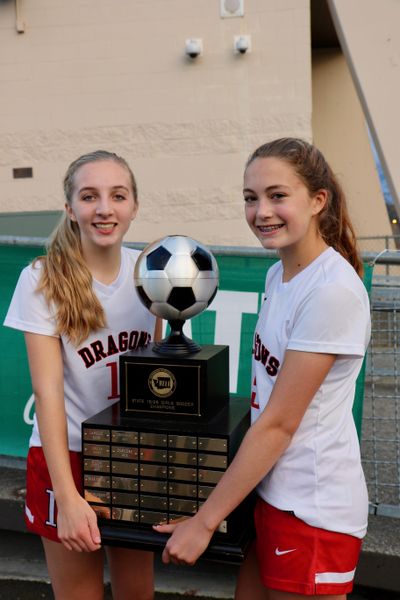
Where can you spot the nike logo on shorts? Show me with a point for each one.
(280, 552)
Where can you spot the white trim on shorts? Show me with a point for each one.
(335, 577)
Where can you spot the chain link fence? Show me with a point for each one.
(380, 443)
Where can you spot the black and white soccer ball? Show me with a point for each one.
(176, 277)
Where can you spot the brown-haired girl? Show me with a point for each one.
(79, 310)
(301, 452)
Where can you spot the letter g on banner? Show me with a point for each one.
(29, 410)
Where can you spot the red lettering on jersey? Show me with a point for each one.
(123, 341)
(143, 339)
(112, 347)
(98, 350)
(114, 380)
(87, 357)
(133, 340)
(254, 402)
(272, 366)
(262, 354)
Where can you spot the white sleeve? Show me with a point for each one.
(332, 319)
(28, 310)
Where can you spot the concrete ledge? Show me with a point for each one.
(12, 496)
(379, 565)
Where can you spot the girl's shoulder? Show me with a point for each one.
(337, 270)
(274, 273)
(30, 275)
(130, 254)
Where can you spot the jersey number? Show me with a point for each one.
(114, 380)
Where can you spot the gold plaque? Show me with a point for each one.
(95, 481)
(122, 467)
(96, 450)
(124, 437)
(124, 483)
(125, 499)
(125, 514)
(96, 435)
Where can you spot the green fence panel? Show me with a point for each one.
(231, 320)
(15, 385)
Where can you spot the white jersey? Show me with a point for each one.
(91, 369)
(325, 308)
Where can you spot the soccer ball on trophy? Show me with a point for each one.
(176, 278)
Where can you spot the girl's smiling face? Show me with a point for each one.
(103, 203)
(278, 206)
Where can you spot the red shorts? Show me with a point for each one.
(40, 506)
(295, 557)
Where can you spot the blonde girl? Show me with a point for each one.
(78, 309)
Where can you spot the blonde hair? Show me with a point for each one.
(66, 281)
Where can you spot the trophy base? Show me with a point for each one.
(187, 386)
(218, 551)
(141, 472)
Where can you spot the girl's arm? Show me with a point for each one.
(300, 377)
(76, 521)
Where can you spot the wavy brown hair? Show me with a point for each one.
(310, 165)
(66, 281)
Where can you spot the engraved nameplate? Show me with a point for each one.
(125, 498)
(212, 444)
(181, 505)
(183, 442)
(126, 452)
(124, 468)
(153, 455)
(217, 461)
(96, 481)
(96, 464)
(96, 450)
(206, 476)
(153, 439)
(182, 489)
(183, 458)
(96, 435)
(149, 470)
(184, 473)
(99, 496)
(151, 518)
(124, 483)
(153, 502)
(125, 514)
(125, 437)
(153, 487)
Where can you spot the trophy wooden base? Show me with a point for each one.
(145, 471)
(232, 552)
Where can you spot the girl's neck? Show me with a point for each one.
(104, 264)
(295, 260)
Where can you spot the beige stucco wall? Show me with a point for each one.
(340, 131)
(371, 45)
(98, 74)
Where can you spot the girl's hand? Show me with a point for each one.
(77, 525)
(188, 541)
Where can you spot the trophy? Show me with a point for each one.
(156, 455)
